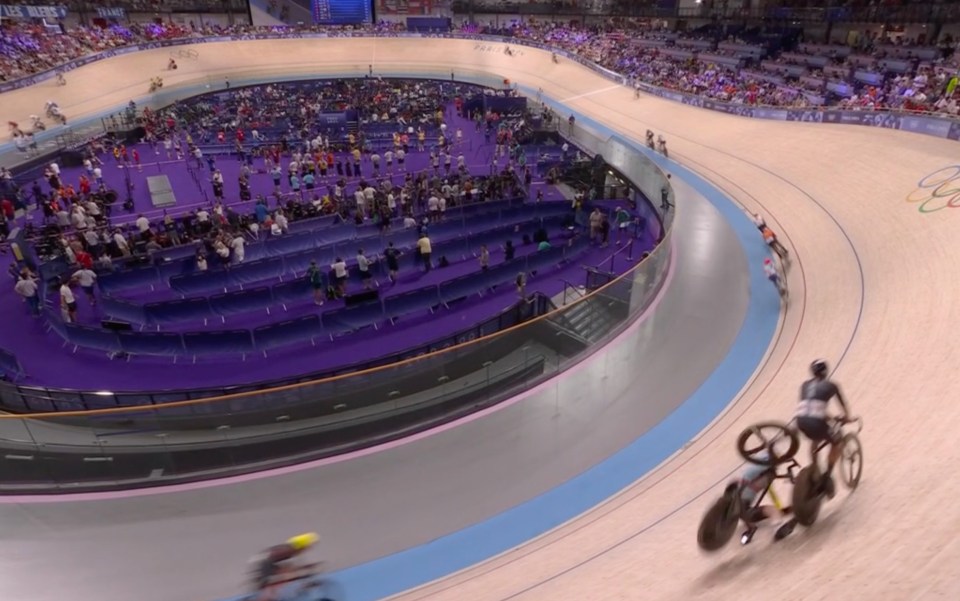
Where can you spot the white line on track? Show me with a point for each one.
(600, 91)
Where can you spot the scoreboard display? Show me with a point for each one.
(342, 12)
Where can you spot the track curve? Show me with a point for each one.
(872, 292)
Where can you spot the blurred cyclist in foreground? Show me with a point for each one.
(277, 566)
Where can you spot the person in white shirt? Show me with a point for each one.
(360, 199)
(68, 303)
(238, 247)
(121, 243)
(282, 222)
(98, 175)
(27, 288)
(433, 207)
(201, 261)
(143, 224)
(78, 219)
(339, 268)
(86, 278)
(363, 264)
(409, 222)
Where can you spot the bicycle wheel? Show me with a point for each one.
(768, 443)
(719, 523)
(806, 496)
(851, 463)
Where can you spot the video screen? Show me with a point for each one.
(342, 12)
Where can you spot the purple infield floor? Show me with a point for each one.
(47, 362)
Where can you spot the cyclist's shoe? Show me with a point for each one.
(747, 535)
(731, 490)
(785, 530)
(827, 486)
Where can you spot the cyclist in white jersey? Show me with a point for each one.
(815, 395)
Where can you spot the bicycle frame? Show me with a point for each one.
(769, 490)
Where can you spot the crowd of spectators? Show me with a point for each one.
(27, 48)
(926, 87)
(312, 176)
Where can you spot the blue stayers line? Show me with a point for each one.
(459, 550)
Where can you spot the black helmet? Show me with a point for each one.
(819, 368)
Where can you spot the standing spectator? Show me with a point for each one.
(86, 278)
(27, 288)
(596, 220)
(316, 283)
(521, 283)
(392, 256)
(238, 246)
(68, 303)
(484, 257)
(201, 261)
(425, 248)
(363, 265)
(604, 230)
(623, 219)
(339, 268)
(509, 251)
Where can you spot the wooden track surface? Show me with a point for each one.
(872, 290)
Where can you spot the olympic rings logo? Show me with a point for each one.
(937, 191)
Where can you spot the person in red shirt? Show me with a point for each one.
(136, 160)
(84, 259)
(84, 185)
(240, 136)
(7, 206)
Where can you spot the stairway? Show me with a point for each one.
(577, 327)
(589, 319)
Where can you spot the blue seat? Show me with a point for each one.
(138, 277)
(151, 343)
(175, 267)
(277, 246)
(287, 333)
(185, 309)
(121, 310)
(297, 263)
(314, 223)
(468, 285)
(292, 292)
(199, 282)
(242, 301)
(91, 338)
(350, 319)
(256, 271)
(422, 299)
(218, 342)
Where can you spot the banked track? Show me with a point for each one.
(872, 291)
